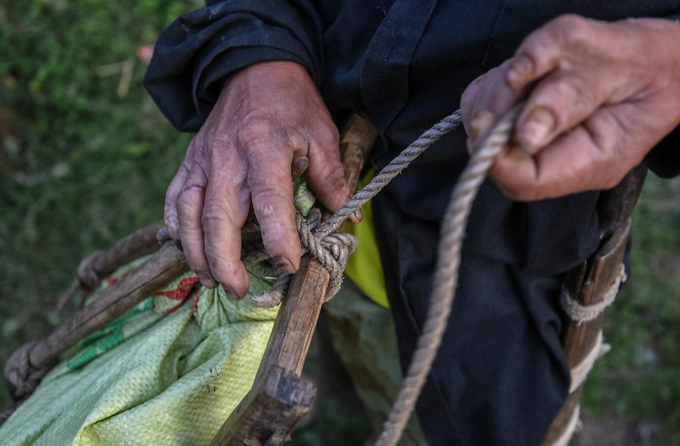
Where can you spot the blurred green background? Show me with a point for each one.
(85, 158)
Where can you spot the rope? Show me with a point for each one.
(331, 251)
(21, 374)
(446, 275)
(573, 426)
(328, 245)
(448, 262)
(580, 372)
(390, 171)
(332, 248)
(585, 313)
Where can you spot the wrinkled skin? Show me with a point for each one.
(599, 97)
(266, 115)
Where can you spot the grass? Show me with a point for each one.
(83, 163)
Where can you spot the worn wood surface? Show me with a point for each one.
(294, 327)
(140, 283)
(299, 313)
(132, 247)
(616, 205)
(269, 413)
(590, 281)
(563, 417)
(603, 269)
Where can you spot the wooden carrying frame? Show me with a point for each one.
(279, 397)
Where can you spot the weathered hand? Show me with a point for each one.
(598, 96)
(266, 115)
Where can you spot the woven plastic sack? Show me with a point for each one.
(168, 372)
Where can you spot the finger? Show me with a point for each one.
(467, 101)
(494, 95)
(545, 49)
(227, 204)
(558, 103)
(480, 125)
(592, 156)
(326, 173)
(189, 212)
(174, 189)
(272, 197)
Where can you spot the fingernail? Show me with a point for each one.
(283, 264)
(533, 133)
(358, 215)
(519, 72)
(231, 293)
(206, 279)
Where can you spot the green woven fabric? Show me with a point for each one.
(149, 379)
(167, 372)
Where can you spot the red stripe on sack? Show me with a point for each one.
(194, 304)
(182, 291)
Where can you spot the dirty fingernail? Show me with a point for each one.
(231, 293)
(206, 279)
(519, 72)
(357, 216)
(283, 264)
(536, 129)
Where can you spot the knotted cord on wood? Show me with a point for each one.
(332, 248)
(584, 313)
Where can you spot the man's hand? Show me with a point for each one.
(598, 96)
(266, 115)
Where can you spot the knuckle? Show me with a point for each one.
(329, 137)
(255, 131)
(216, 218)
(571, 30)
(188, 199)
(267, 205)
(570, 90)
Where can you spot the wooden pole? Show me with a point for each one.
(292, 334)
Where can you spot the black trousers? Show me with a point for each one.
(500, 376)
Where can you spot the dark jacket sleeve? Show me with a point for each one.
(195, 54)
(664, 159)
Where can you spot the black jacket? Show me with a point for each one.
(500, 376)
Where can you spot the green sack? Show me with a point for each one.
(149, 378)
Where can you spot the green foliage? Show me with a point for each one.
(82, 165)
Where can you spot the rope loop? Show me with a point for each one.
(21, 374)
(331, 250)
(584, 313)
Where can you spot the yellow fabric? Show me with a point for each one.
(364, 266)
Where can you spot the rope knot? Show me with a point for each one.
(331, 250)
(87, 275)
(23, 375)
